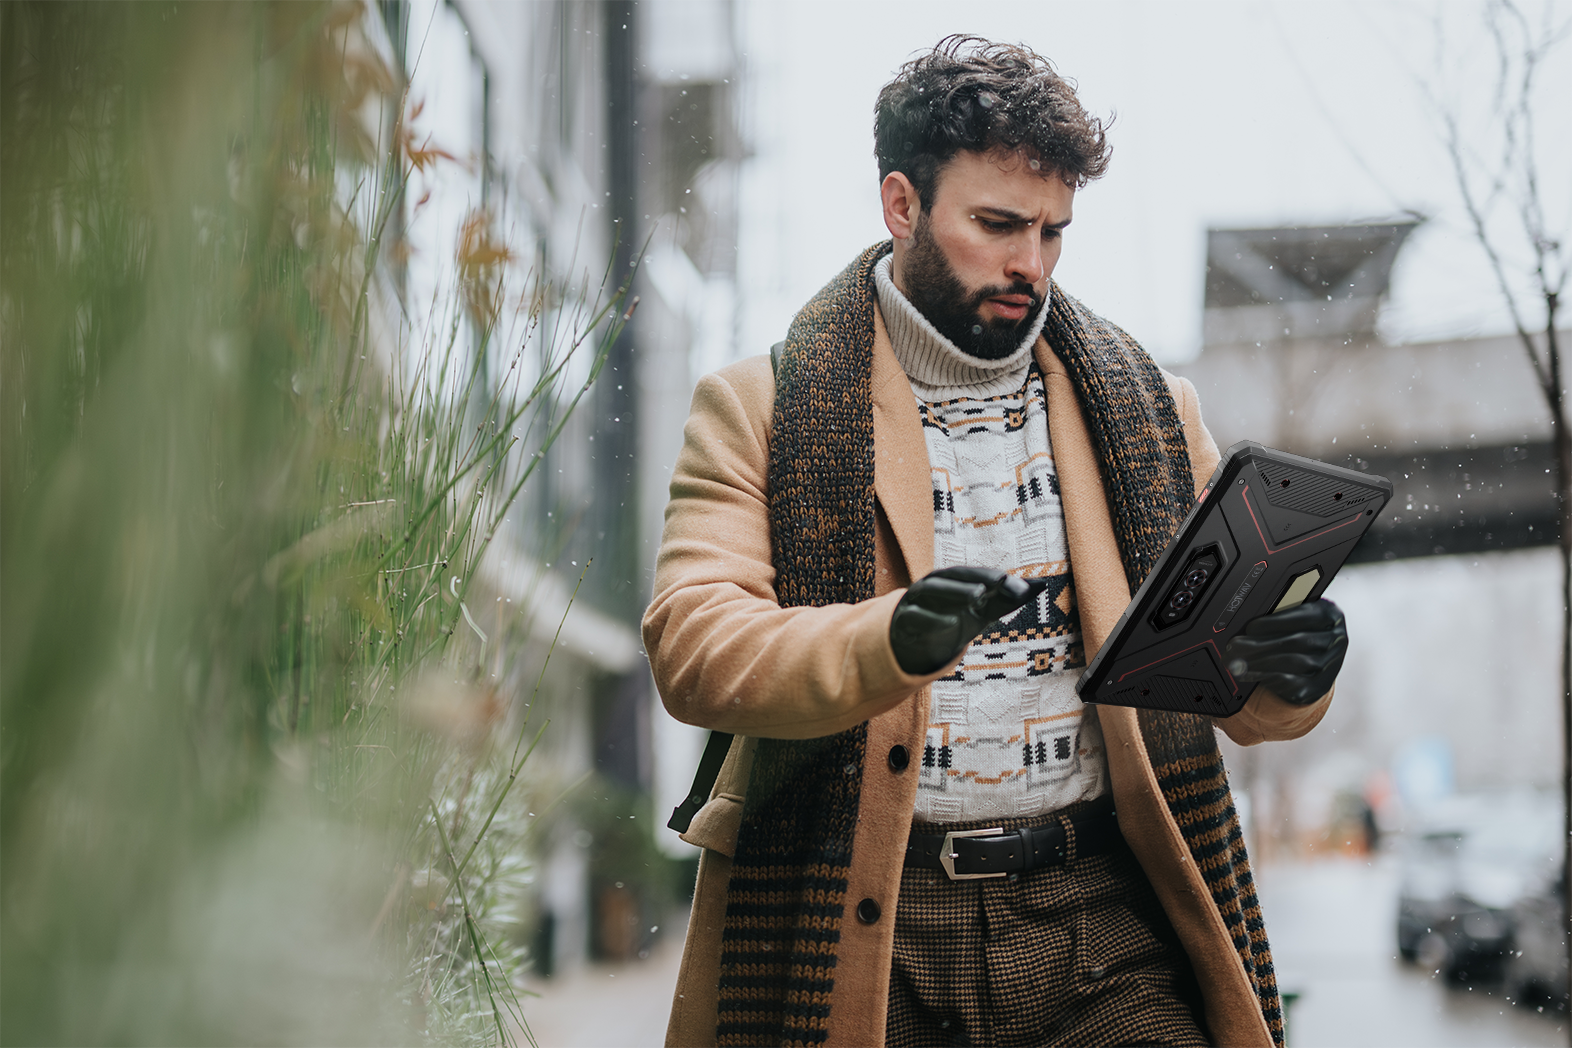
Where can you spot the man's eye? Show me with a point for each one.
(994, 225)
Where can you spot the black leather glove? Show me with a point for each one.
(1295, 652)
(942, 611)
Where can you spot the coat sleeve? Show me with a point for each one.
(724, 653)
(1265, 717)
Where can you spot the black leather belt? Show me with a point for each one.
(996, 852)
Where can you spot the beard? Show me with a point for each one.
(939, 295)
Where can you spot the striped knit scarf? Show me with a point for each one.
(787, 892)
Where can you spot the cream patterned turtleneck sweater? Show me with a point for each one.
(1007, 735)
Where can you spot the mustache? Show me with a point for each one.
(1020, 287)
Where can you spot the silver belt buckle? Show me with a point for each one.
(947, 853)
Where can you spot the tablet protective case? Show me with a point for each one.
(1270, 530)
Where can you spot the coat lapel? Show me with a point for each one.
(1102, 591)
(901, 478)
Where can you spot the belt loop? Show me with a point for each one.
(1068, 825)
(1029, 853)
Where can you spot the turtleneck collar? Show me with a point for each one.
(935, 366)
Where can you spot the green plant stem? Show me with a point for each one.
(469, 924)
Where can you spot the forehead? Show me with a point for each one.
(1003, 179)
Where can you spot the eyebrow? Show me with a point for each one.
(1016, 216)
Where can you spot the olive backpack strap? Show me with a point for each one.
(719, 741)
(703, 781)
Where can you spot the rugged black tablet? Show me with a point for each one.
(1269, 531)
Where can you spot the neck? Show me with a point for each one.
(936, 367)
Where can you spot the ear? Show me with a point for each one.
(901, 205)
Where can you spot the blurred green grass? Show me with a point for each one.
(257, 782)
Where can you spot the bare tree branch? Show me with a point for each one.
(1476, 216)
(1520, 51)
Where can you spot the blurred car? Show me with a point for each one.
(1536, 969)
(1464, 867)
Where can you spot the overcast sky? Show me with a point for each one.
(1227, 115)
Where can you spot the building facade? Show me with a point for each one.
(600, 140)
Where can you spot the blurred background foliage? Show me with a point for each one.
(262, 781)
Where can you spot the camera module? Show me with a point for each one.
(1193, 581)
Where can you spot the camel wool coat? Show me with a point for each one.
(726, 656)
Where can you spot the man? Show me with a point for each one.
(941, 412)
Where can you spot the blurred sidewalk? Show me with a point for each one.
(1332, 924)
(609, 1005)
(1333, 928)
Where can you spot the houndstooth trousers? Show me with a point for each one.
(1078, 954)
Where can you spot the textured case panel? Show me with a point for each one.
(1306, 492)
(1180, 694)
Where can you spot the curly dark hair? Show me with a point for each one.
(974, 94)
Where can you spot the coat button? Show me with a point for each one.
(900, 757)
(868, 911)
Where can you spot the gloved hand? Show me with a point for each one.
(1295, 652)
(942, 611)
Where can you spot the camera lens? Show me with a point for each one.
(1197, 576)
(1181, 600)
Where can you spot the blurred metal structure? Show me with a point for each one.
(1292, 357)
(1298, 282)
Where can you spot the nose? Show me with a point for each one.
(1026, 258)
